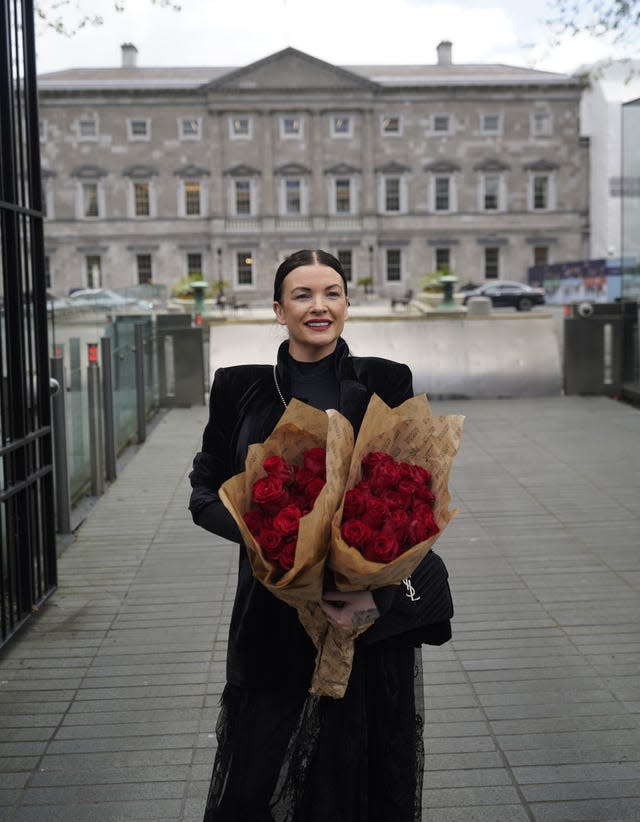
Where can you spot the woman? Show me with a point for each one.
(283, 755)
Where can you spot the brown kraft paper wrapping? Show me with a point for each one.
(301, 427)
(409, 433)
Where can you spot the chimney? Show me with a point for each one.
(129, 55)
(444, 53)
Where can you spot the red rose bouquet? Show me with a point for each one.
(395, 506)
(284, 502)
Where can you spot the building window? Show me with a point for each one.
(442, 259)
(242, 197)
(393, 265)
(194, 264)
(441, 124)
(190, 128)
(290, 127)
(491, 262)
(145, 272)
(88, 128)
(392, 194)
(541, 124)
(341, 126)
(90, 200)
(192, 198)
(93, 269)
(391, 125)
(141, 199)
(240, 128)
(442, 194)
(541, 255)
(139, 129)
(490, 123)
(345, 258)
(540, 192)
(293, 198)
(244, 268)
(343, 196)
(491, 192)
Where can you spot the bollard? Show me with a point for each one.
(95, 421)
(60, 465)
(110, 471)
(140, 382)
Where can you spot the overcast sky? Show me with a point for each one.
(344, 32)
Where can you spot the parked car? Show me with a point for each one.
(520, 296)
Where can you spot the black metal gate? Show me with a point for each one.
(27, 531)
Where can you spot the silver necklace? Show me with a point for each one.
(275, 379)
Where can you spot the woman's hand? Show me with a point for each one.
(349, 609)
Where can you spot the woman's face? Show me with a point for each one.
(314, 308)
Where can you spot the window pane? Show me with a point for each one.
(88, 128)
(391, 125)
(190, 127)
(144, 268)
(141, 199)
(90, 199)
(491, 263)
(291, 125)
(443, 259)
(243, 197)
(94, 271)
(441, 122)
(245, 268)
(541, 255)
(442, 193)
(394, 272)
(194, 264)
(343, 196)
(540, 192)
(292, 197)
(138, 128)
(344, 256)
(491, 192)
(392, 194)
(341, 125)
(490, 122)
(241, 126)
(192, 199)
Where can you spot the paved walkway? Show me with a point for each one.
(108, 699)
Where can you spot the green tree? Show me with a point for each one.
(615, 19)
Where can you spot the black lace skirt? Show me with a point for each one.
(287, 757)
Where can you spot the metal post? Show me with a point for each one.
(95, 422)
(110, 471)
(60, 465)
(140, 382)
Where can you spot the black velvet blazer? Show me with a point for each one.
(268, 648)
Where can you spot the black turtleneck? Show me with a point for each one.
(315, 382)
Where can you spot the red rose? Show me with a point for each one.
(396, 500)
(355, 501)
(269, 494)
(416, 472)
(287, 520)
(396, 524)
(408, 487)
(424, 494)
(287, 554)
(297, 498)
(276, 466)
(375, 512)
(303, 476)
(372, 459)
(356, 533)
(255, 521)
(385, 475)
(312, 489)
(314, 460)
(421, 529)
(270, 542)
(384, 548)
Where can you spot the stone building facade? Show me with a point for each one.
(152, 174)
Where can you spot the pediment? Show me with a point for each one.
(393, 167)
(541, 165)
(140, 172)
(290, 69)
(242, 170)
(491, 164)
(192, 171)
(292, 169)
(342, 168)
(442, 167)
(88, 172)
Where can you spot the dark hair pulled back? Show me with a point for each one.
(305, 256)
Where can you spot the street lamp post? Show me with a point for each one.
(221, 298)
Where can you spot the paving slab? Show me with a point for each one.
(108, 699)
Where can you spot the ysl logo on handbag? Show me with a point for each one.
(411, 591)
